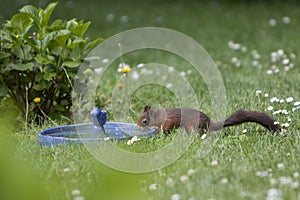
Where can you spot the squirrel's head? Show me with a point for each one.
(144, 120)
(151, 119)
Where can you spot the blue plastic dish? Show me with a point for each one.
(98, 131)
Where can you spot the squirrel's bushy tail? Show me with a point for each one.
(242, 116)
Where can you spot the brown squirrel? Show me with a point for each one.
(194, 120)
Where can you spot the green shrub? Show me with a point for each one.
(39, 60)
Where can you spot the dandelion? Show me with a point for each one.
(285, 61)
(297, 103)
(255, 63)
(292, 55)
(214, 163)
(281, 101)
(258, 92)
(140, 65)
(169, 85)
(289, 99)
(272, 22)
(37, 100)
(170, 181)
(75, 192)
(234, 46)
(255, 55)
(129, 142)
(269, 72)
(244, 49)
(285, 180)
(274, 99)
(286, 68)
(270, 108)
(132, 140)
(295, 185)
(79, 198)
(105, 60)
(182, 73)
(224, 180)
(176, 197)
(88, 72)
(286, 20)
(135, 138)
(234, 60)
(261, 173)
(273, 181)
(280, 52)
(189, 72)
(153, 186)
(125, 70)
(274, 56)
(124, 19)
(99, 70)
(190, 172)
(184, 178)
(285, 125)
(171, 69)
(280, 166)
(66, 169)
(120, 85)
(110, 17)
(274, 194)
(276, 112)
(135, 75)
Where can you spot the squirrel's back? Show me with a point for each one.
(191, 119)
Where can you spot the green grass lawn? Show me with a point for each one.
(247, 162)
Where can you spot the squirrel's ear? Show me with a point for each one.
(147, 108)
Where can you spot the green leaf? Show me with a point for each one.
(49, 68)
(60, 37)
(47, 13)
(29, 9)
(59, 108)
(56, 25)
(3, 55)
(80, 29)
(71, 23)
(19, 67)
(21, 23)
(76, 42)
(3, 90)
(38, 87)
(49, 76)
(45, 59)
(71, 64)
(5, 36)
(22, 53)
(33, 12)
(91, 45)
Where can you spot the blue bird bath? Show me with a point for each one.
(98, 131)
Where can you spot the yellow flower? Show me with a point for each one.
(120, 85)
(129, 142)
(125, 69)
(37, 100)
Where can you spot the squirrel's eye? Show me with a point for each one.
(145, 121)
